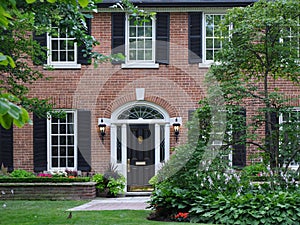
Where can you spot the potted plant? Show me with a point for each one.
(109, 184)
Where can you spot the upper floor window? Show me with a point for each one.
(62, 49)
(205, 37)
(213, 36)
(293, 38)
(140, 39)
(145, 44)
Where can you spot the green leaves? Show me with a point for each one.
(10, 113)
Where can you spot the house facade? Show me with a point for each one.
(136, 102)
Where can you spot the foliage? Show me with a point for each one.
(21, 173)
(257, 169)
(267, 208)
(111, 180)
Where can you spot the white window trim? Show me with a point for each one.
(207, 63)
(294, 165)
(49, 162)
(61, 65)
(135, 63)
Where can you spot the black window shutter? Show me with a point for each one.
(39, 143)
(84, 140)
(82, 58)
(162, 37)
(42, 40)
(6, 148)
(118, 35)
(238, 136)
(195, 37)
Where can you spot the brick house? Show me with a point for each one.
(138, 100)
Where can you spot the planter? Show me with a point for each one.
(48, 191)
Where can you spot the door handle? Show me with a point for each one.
(128, 165)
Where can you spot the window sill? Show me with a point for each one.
(204, 65)
(208, 64)
(140, 66)
(62, 66)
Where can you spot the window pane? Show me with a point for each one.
(209, 55)
(70, 45)
(148, 55)
(70, 151)
(71, 56)
(148, 43)
(70, 140)
(54, 151)
(54, 56)
(62, 56)
(140, 55)
(209, 20)
(54, 140)
(132, 32)
(62, 151)
(54, 128)
(132, 43)
(54, 44)
(62, 129)
(148, 31)
(141, 32)
(70, 129)
(209, 31)
(62, 140)
(63, 162)
(140, 44)
(209, 43)
(132, 54)
(70, 118)
(70, 162)
(217, 43)
(54, 162)
(63, 45)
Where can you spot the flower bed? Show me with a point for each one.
(59, 185)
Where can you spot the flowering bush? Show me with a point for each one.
(182, 217)
(59, 173)
(44, 175)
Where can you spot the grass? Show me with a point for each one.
(54, 212)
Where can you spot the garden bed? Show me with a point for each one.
(48, 191)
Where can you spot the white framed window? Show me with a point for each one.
(294, 37)
(290, 135)
(139, 43)
(62, 49)
(212, 41)
(62, 142)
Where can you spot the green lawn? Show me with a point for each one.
(54, 212)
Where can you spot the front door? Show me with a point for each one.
(140, 156)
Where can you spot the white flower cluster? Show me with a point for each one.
(59, 173)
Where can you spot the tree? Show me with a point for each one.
(262, 53)
(17, 19)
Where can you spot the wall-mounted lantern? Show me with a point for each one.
(102, 124)
(176, 122)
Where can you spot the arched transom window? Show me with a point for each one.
(143, 112)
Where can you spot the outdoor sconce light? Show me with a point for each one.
(176, 127)
(102, 127)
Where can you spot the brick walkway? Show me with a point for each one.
(130, 203)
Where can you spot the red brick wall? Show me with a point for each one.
(176, 87)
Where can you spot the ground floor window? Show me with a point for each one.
(62, 142)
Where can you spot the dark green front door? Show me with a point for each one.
(140, 156)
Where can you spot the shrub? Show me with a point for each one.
(111, 180)
(275, 207)
(21, 173)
